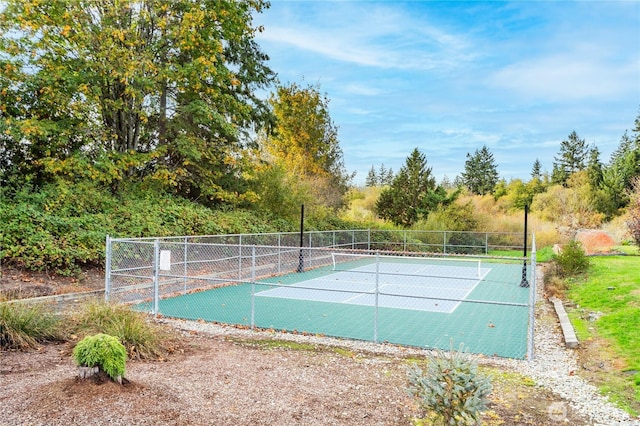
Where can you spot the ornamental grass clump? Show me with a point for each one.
(102, 351)
(23, 326)
(450, 390)
(142, 339)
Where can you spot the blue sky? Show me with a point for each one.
(450, 77)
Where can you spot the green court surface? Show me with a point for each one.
(490, 329)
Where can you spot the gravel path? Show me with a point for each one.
(554, 366)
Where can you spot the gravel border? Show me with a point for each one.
(554, 367)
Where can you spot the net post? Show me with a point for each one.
(524, 282)
(301, 255)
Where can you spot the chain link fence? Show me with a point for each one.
(417, 288)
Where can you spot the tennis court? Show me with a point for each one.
(486, 313)
(399, 283)
(406, 298)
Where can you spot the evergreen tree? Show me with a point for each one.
(382, 175)
(388, 179)
(633, 222)
(480, 172)
(623, 167)
(412, 194)
(536, 170)
(446, 183)
(594, 167)
(372, 178)
(570, 159)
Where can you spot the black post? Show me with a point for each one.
(301, 259)
(524, 282)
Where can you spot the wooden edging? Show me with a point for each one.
(570, 339)
(61, 298)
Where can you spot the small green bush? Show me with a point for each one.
(572, 260)
(23, 326)
(544, 254)
(103, 351)
(450, 390)
(142, 339)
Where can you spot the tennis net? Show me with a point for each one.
(407, 265)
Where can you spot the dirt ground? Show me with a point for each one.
(230, 380)
(16, 283)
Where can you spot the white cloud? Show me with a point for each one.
(562, 78)
(377, 36)
(362, 89)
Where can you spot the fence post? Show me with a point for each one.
(240, 258)
(404, 237)
(486, 243)
(107, 269)
(185, 265)
(444, 242)
(279, 253)
(532, 301)
(369, 239)
(156, 275)
(253, 286)
(375, 316)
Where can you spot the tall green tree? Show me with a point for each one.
(536, 169)
(162, 90)
(626, 157)
(571, 158)
(480, 172)
(624, 165)
(305, 141)
(595, 168)
(412, 194)
(372, 177)
(633, 221)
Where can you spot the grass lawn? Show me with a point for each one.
(543, 254)
(612, 287)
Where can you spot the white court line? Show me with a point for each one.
(381, 286)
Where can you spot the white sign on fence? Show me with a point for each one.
(165, 260)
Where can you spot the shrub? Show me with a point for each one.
(103, 351)
(633, 221)
(451, 390)
(572, 260)
(554, 285)
(23, 326)
(141, 339)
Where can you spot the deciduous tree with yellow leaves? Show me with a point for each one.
(155, 91)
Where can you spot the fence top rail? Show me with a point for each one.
(328, 251)
(265, 234)
(310, 232)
